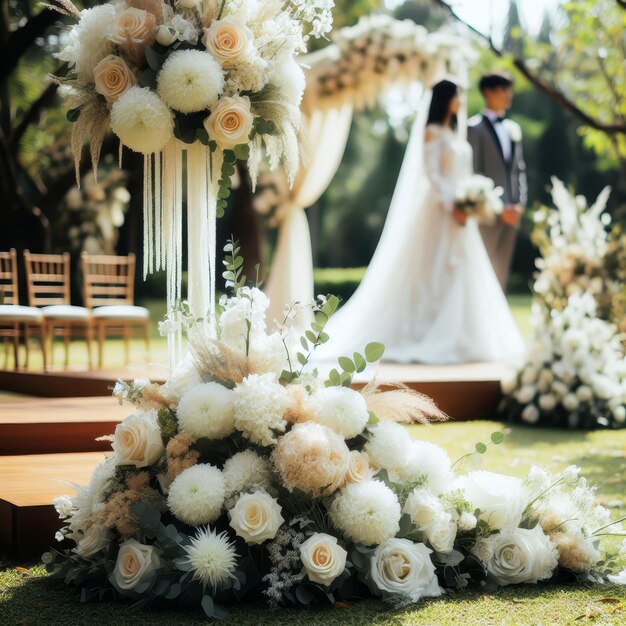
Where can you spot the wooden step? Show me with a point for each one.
(465, 392)
(41, 426)
(29, 485)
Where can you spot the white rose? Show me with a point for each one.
(520, 556)
(570, 402)
(525, 394)
(138, 440)
(501, 499)
(423, 507)
(230, 121)
(547, 402)
(166, 35)
(441, 533)
(358, 467)
(323, 558)
(256, 517)
(584, 393)
(531, 414)
(135, 563)
(96, 538)
(400, 566)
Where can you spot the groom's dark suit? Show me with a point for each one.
(502, 160)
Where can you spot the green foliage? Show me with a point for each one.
(167, 424)
(373, 353)
(480, 448)
(233, 261)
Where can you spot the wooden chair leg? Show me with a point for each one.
(66, 342)
(88, 340)
(50, 339)
(27, 330)
(6, 352)
(101, 337)
(16, 346)
(43, 338)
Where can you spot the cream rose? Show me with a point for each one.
(323, 558)
(358, 467)
(228, 40)
(113, 77)
(521, 556)
(134, 30)
(135, 563)
(423, 507)
(138, 440)
(93, 540)
(256, 517)
(230, 122)
(400, 566)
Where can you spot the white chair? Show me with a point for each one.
(16, 319)
(108, 289)
(48, 281)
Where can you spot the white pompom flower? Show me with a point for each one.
(190, 81)
(367, 512)
(212, 557)
(196, 495)
(207, 410)
(260, 403)
(142, 120)
(342, 409)
(246, 471)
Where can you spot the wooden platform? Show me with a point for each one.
(470, 391)
(38, 426)
(28, 487)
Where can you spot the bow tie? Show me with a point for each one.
(499, 120)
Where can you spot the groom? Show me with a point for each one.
(497, 145)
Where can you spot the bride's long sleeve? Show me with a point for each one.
(433, 156)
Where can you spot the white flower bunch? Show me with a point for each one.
(574, 374)
(203, 71)
(478, 197)
(289, 484)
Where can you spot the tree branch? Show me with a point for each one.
(18, 41)
(560, 98)
(32, 114)
(622, 3)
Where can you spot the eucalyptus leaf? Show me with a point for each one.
(374, 351)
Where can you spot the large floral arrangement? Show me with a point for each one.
(195, 86)
(90, 215)
(249, 475)
(376, 53)
(574, 373)
(221, 72)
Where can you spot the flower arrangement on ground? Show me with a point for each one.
(249, 475)
(478, 197)
(574, 373)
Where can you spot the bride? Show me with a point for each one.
(430, 293)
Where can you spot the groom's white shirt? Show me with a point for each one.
(501, 131)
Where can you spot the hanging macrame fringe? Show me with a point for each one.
(179, 171)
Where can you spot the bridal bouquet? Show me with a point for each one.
(248, 475)
(478, 197)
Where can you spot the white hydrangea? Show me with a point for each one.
(212, 557)
(196, 495)
(342, 409)
(387, 446)
(430, 462)
(368, 512)
(249, 304)
(190, 81)
(268, 354)
(289, 77)
(260, 403)
(207, 410)
(142, 120)
(246, 471)
(90, 40)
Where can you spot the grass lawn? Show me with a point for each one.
(28, 597)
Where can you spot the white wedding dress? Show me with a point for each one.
(430, 293)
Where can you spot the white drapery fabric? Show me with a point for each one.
(291, 280)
